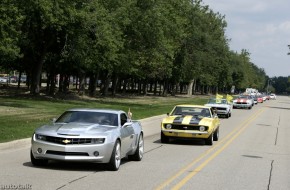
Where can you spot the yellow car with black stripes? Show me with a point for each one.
(191, 122)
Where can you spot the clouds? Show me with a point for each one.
(262, 27)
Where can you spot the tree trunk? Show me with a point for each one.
(155, 87)
(82, 84)
(190, 87)
(36, 74)
(93, 85)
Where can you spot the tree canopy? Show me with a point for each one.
(165, 46)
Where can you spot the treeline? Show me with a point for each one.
(161, 46)
(280, 85)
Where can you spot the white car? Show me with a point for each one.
(244, 101)
(222, 107)
(3, 80)
(273, 96)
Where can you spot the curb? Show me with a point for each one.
(15, 144)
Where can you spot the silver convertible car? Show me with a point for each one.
(89, 135)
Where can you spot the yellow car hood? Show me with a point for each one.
(188, 120)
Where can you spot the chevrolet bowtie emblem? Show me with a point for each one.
(66, 141)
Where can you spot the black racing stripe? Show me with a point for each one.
(195, 120)
(178, 120)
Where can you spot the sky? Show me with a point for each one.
(262, 27)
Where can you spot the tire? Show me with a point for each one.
(164, 139)
(209, 140)
(37, 162)
(115, 160)
(227, 115)
(250, 107)
(138, 155)
(230, 114)
(216, 134)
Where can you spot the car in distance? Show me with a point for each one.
(191, 122)
(243, 101)
(89, 135)
(3, 80)
(260, 99)
(255, 98)
(273, 96)
(222, 107)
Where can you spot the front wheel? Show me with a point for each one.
(209, 140)
(216, 134)
(138, 155)
(115, 160)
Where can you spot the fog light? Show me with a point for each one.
(39, 150)
(96, 153)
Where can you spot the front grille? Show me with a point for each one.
(187, 127)
(68, 141)
(60, 153)
(219, 108)
(241, 102)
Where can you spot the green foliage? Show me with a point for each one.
(10, 21)
(143, 40)
(281, 85)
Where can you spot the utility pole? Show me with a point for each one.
(289, 48)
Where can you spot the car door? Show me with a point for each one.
(127, 135)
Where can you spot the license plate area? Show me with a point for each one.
(180, 134)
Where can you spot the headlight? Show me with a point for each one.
(40, 137)
(98, 141)
(202, 128)
(168, 126)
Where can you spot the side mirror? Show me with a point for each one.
(127, 124)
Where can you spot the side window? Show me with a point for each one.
(123, 119)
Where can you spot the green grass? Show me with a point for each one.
(20, 116)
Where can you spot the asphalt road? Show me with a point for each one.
(253, 153)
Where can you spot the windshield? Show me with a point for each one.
(217, 101)
(89, 117)
(194, 111)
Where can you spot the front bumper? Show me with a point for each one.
(81, 152)
(223, 112)
(185, 134)
(241, 105)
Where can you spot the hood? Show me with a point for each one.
(241, 100)
(188, 119)
(74, 129)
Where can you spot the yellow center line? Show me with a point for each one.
(183, 170)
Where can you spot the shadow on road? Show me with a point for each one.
(191, 142)
(74, 166)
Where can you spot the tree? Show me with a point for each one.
(10, 21)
